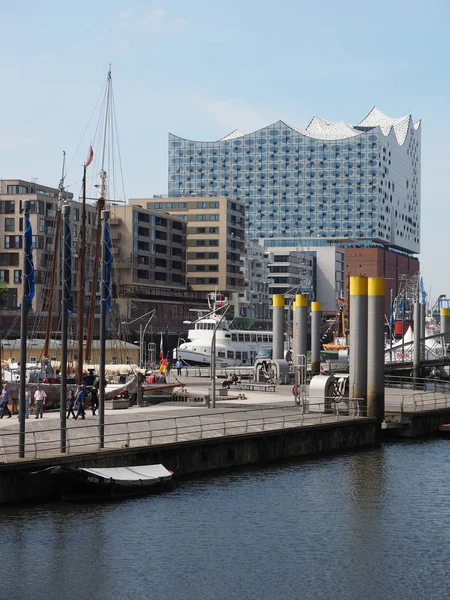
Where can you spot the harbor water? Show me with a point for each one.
(366, 525)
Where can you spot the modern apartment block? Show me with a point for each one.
(149, 265)
(215, 229)
(44, 201)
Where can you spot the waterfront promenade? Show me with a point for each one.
(241, 413)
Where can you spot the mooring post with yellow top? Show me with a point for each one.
(358, 344)
(445, 320)
(316, 321)
(278, 326)
(416, 347)
(375, 348)
(300, 341)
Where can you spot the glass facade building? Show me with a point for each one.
(328, 183)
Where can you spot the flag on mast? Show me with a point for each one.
(90, 157)
(161, 348)
(29, 274)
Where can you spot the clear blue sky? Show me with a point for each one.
(205, 67)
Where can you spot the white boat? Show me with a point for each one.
(233, 346)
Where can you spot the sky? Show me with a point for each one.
(203, 68)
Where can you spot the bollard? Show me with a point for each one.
(358, 339)
(375, 348)
(278, 326)
(301, 308)
(207, 400)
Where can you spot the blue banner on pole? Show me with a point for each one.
(108, 260)
(68, 267)
(29, 273)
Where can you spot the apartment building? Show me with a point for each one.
(149, 266)
(215, 230)
(43, 211)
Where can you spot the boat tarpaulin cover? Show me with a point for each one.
(132, 473)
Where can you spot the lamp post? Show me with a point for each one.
(141, 333)
(213, 362)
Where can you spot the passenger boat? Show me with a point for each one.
(109, 483)
(233, 346)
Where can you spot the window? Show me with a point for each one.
(17, 276)
(4, 276)
(213, 242)
(7, 207)
(9, 224)
(17, 189)
(201, 204)
(213, 230)
(13, 241)
(9, 259)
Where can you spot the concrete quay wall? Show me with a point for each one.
(27, 480)
(416, 425)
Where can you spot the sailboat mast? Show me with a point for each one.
(54, 260)
(81, 263)
(100, 207)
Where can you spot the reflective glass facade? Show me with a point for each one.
(328, 181)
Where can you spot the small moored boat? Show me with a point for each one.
(119, 482)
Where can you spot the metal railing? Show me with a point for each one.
(45, 443)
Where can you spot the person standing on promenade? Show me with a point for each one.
(4, 401)
(79, 399)
(70, 404)
(39, 399)
(179, 365)
(94, 399)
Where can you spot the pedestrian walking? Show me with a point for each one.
(94, 399)
(79, 399)
(27, 403)
(6, 395)
(179, 365)
(70, 404)
(39, 399)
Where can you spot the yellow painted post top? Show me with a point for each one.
(358, 286)
(300, 300)
(315, 306)
(376, 286)
(445, 312)
(278, 300)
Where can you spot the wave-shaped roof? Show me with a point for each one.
(322, 129)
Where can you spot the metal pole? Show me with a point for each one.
(391, 326)
(141, 341)
(302, 319)
(358, 341)
(213, 368)
(278, 326)
(64, 328)
(102, 362)
(295, 331)
(375, 348)
(316, 319)
(23, 333)
(416, 347)
(422, 331)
